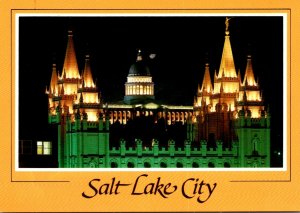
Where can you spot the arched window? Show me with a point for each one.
(134, 90)
(211, 165)
(113, 165)
(255, 142)
(179, 165)
(130, 165)
(255, 165)
(195, 165)
(163, 165)
(92, 165)
(147, 165)
(226, 165)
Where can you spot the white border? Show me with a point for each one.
(18, 15)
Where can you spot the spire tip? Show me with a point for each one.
(227, 25)
(139, 55)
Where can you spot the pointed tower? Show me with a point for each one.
(70, 68)
(88, 97)
(70, 78)
(139, 87)
(252, 123)
(54, 81)
(204, 94)
(227, 67)
(53, 92)
(206, 83)
(227, 77)
(249, 75)
(236, 111)
(75, 107)
(250, 94)
(87, 77)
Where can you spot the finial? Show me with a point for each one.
(139, 55)
(227, 25)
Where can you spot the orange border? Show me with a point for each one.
(61, 191)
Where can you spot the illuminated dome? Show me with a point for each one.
(139, 86)
(139, 68)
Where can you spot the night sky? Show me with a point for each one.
(182, 46)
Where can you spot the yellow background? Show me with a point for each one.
(61, 191)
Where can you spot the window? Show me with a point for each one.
(211, 165)
(44, 148)
(226, 165)
(113, 165)
(130, 165)
(163, 165)
(25, 147)
(147, 165)
(195, 165)
(179, 165)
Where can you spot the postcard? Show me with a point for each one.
(165, 106)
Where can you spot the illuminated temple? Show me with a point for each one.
(227, 126)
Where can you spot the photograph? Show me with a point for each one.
(149, 106)
(157, 91)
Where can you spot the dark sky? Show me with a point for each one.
(182, 46)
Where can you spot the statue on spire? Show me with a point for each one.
(227, 23)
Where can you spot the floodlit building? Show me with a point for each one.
(227, 126)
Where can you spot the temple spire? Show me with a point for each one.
(249, 75)
(239, 77)
(87, 73)
(227, 67)
(206, 83)
(70, 68)
(54, 79)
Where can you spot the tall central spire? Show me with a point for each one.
(70, 69)
(227, 67)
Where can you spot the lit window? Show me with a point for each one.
(44, 148)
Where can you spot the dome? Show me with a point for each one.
(139, 68)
